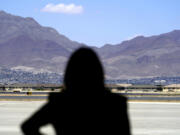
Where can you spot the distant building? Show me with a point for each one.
(172, 88)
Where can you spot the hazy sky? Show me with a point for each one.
(97, 22)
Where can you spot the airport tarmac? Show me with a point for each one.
(146, 118)
(131, 98)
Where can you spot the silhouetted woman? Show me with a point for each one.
(85, 106)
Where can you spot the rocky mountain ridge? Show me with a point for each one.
(26, 45)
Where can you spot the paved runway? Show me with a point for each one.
(14, 96)
(146, 118)
(134, 98)
(155, 118)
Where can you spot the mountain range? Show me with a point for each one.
(27, 46)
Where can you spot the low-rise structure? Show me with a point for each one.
(172, 88)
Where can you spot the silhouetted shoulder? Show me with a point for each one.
(115, 96)
(57, 97)
(119, 97)
(53, 96)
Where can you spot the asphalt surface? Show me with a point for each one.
(46, 92)
(24, 93)
(146, 118)
(155, 118)
(45, 97)
(158, 98)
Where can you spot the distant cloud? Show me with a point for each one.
(62, 8)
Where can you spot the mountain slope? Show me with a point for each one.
(144, 56)
(28, 46)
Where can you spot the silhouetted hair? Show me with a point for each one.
(84, 71)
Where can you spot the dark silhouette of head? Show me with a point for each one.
(84, 73)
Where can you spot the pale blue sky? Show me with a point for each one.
(97, 22)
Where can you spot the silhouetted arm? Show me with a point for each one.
(40, 118)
